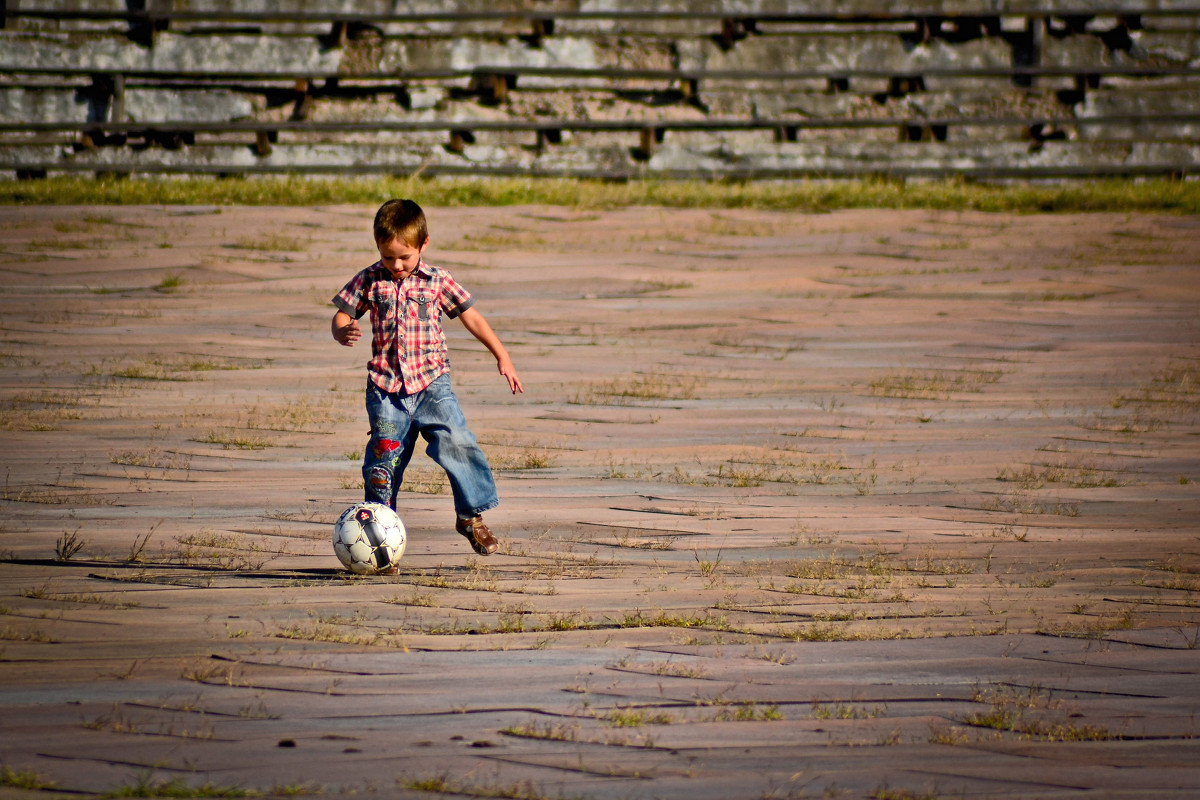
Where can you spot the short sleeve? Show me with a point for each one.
(352, 299)
(453, 298)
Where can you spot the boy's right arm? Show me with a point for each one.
(345, 329)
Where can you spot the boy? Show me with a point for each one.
(408, 386)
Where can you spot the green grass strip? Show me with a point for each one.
(1182, 197)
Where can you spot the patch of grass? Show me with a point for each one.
(24, 779)
(676, 670)
(11, 634)
(41, 411)
(1077, 476)
(414, 598)
(161, 369)
(820, 568)
(933, 384)
(1032, 714)
(1178, 575)
(529, 458)
(708, 568)
(116, 722)
(498, 240)
(748, 711)
(554, 732)
(885, 792)
(780, 468)
(235, 441)
(271, 242)
(425, 480)
(52, 497)
(442, 784)
(568, 621)
(295, 790)
(222, 551)
(636, 717)
(170, 283)
(638, 387)
(841, 710)
(636, 619)
(777, 657)
(929, 565)
(302, 416)
(62, 243)
(146, 786)
(1095, 627)
(324, 632)
(1170, 395)
(942, 734)
(1181, 197)
(1176, 386)
(822, 632)
(101, 601)
(151, 458)
(1021, 502)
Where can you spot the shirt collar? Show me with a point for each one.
(423, 270)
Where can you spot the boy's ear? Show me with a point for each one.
(421, 249)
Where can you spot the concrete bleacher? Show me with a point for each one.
(601, 88)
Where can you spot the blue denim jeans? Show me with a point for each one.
(397, 419)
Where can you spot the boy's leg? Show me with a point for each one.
(452, 445)
(400, 464)
(391, 429)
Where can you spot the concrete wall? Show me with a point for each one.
(922, 92)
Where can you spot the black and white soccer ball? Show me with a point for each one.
(369, 538)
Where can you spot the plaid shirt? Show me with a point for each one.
(408, 345)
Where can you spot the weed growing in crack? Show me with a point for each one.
(443, 784)
(638, 388)
(886, 792)
(555, 732)
(933, 384)
(1095, 628)
(843, 710)
(138, 548)
(145, 785)
(27, 779)
(635, 717)
(1031, 714)
(748, 711)
(68, 545)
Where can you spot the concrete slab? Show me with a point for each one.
(863, 504)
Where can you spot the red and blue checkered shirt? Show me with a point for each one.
(408, 345)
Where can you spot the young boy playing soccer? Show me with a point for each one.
(408, 386)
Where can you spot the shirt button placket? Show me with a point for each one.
(398, 334)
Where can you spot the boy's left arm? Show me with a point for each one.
(475, 322)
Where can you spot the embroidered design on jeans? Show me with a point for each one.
(380, 481)
(386, 448)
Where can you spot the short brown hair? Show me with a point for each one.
(402, 219)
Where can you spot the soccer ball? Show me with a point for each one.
(369, 539)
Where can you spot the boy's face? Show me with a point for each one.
(399, 257)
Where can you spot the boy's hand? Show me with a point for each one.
(347, 334)
(509, 372)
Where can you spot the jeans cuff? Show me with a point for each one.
(478, 510)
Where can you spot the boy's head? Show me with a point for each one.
(401, 236)
(403, 220)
